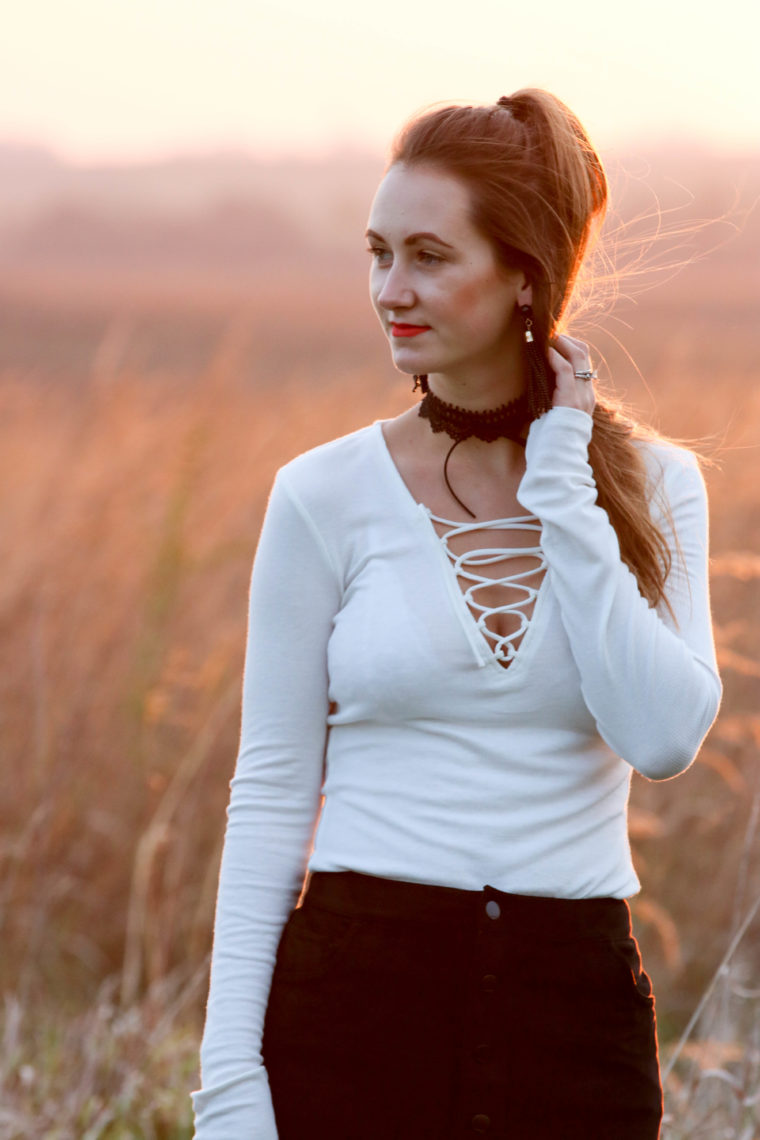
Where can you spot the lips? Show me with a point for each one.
(398, 329)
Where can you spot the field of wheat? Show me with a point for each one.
(140, 428)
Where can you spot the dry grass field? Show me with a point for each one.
(141, 423)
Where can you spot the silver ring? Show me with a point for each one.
(587, 374)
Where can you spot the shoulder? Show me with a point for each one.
(674, 475)
(328, 475)
(661, 455)
(665, 460)
(332, 458)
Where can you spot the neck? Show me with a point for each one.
(508, 421)
(481, 388)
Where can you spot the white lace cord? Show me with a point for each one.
(504, 647)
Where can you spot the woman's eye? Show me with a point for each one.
(380, 255)
(428, 258)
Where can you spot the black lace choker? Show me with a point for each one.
(505, 422)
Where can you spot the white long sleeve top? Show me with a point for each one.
(368, 680)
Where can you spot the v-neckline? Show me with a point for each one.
(483, 653)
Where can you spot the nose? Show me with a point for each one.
(395, 291)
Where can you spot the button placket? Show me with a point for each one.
(481, 1101)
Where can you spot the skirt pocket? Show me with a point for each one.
(312, 941)
(639, 983)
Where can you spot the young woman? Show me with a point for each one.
(468, 626)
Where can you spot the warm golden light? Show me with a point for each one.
(125, 80)
(172, 332)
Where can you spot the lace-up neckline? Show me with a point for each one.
(517, 589)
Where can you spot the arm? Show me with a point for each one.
(273, 805)
(652, 686)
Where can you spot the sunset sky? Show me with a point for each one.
(130, 79)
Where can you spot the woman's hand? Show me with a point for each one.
(567, 357)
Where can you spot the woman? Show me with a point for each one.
(479, 619)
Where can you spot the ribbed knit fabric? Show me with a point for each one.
(365, 668)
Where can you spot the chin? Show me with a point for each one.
(402, 363)
(409, 369)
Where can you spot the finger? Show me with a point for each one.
(570, 391)
(561, 364)
(574, 350)
(578, 343)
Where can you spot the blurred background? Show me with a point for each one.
(183, 308)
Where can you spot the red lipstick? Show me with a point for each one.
(398, 329)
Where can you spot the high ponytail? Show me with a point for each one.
(539, 195)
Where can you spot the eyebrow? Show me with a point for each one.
(413, 238)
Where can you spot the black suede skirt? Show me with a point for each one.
(403, 1011)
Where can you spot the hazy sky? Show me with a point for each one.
(124, 79)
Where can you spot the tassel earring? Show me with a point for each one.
(541, 384)
(420, 382)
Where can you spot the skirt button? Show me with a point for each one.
(493, 910)
(480, 1122)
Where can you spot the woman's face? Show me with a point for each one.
(445, 303)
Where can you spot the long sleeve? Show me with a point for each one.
(274, 802)
(651, 684)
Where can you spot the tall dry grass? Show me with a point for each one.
(130, 502)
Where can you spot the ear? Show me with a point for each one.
(525, 294)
